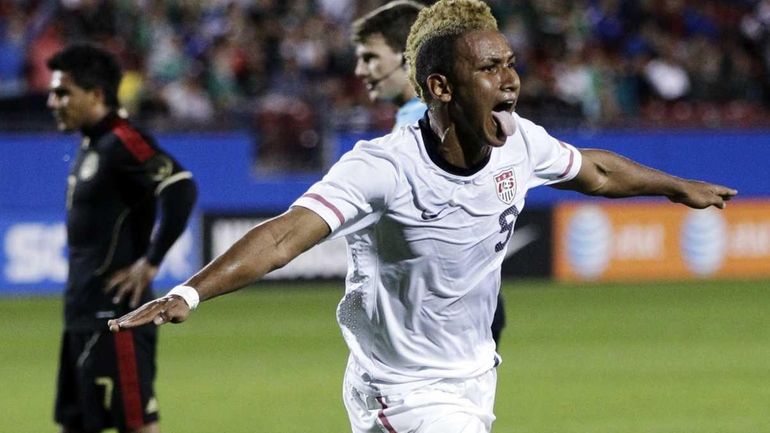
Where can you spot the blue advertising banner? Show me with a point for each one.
(33, 257)
(33, 171)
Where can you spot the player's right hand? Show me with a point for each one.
(170, 308)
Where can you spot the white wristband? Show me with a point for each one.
(189, 294)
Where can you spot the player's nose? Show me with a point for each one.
(510, 80)
(361, 70)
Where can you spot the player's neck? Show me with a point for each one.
(96, 115)
(96, 122)
(461, 153)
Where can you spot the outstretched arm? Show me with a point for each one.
(608, 174)
(264, 248)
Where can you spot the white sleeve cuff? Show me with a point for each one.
(189, 294)
(323, 208)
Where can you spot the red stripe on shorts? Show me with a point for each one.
(134, 142)
(326, 203)
(383, 418)
(129, 380)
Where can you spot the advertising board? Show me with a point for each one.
(653, 240)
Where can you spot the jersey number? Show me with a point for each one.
(506, 226)
(107, 383)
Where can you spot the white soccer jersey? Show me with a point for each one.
(425, 248)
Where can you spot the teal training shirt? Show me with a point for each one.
(410, 112)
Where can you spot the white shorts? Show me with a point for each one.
(447, 406)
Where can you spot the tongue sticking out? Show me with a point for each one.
(506, 123)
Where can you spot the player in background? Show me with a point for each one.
(380, 41)
(427, 211)
(119, 181)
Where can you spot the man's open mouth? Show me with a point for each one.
(502, 114)
(504, 106)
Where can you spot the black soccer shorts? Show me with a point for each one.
(106, 380)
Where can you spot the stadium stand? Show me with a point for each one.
(663, 63)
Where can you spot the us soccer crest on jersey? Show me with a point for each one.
(505, 185)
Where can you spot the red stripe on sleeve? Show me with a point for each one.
(571, 160)
(129, 380)
(134, 142)
(383, 418)
(326, 203)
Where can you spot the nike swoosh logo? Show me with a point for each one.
(427, 216)
(520, 238)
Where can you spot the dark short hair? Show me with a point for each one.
(91, 67)
(392, 20)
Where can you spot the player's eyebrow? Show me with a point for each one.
(493, 58)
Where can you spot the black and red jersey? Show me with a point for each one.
(118, 183)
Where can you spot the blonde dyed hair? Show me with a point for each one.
(439, 26)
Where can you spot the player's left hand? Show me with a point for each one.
(700, 195)
(131, 281)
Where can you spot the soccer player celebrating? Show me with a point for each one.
(427, 212)
(380, 42)
(116, 182)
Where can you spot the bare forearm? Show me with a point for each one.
(266, 247)
(622, 177)
(243, 263)
(610, 175)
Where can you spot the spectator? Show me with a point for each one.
(628, 47)
(187, 99)
(12, 45)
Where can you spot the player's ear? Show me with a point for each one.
(439, 87)
(98, 95)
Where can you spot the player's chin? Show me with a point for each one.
(61, 125)
(374, 95)
(495, 139)
(64, 126)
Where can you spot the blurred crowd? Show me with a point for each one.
(219, 64)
